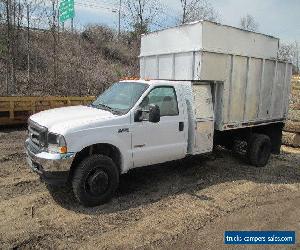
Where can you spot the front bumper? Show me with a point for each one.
(52, 168)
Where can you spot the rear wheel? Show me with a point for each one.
(95, 180)
(259, 150)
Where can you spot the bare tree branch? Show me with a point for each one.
(290, 52)
(248, 23)
(139, 15)
(193, 10)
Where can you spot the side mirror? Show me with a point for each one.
(154, 113)
(138, 115)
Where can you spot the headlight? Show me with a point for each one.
(57, 144)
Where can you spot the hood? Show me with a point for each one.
(60, 119)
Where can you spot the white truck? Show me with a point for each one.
(210, 85)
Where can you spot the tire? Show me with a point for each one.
(259, 150)
(95, 180)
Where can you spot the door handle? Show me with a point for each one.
(181, 126)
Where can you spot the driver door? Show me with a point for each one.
(164, 141)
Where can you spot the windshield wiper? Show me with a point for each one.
(105, 107)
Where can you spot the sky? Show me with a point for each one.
(280, 18)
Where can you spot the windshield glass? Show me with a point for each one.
(120, 97)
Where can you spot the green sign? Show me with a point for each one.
(66, 10)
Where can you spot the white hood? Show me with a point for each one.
(60, 119)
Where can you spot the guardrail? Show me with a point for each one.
(17, 109)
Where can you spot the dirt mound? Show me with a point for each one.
(67, 64)
(291, 139)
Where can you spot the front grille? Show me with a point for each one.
(37, 134)
(34, 135)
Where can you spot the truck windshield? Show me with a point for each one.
(120, 97)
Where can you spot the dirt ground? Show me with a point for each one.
(187, 204)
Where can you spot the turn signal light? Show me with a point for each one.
(130, 78)
(63, 150)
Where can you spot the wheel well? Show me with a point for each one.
(101, 148)
(274, 131)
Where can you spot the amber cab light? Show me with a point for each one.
(63, 150)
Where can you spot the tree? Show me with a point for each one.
(10, 40)
(248, 23)
(13, 13)
(28, 7)
(3, 45)
(140, 14)
(290, 52)
(193, 10)
(2, 11)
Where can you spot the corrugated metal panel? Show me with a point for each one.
(287, 89)
(214, 67)
(278, 90)
(266, 89)
(253, 89)
(164, 63)
(237, 94)
(184, 66)
(150, 67)
(220, 104)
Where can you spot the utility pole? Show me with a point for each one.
(72, 24)
(119, 28)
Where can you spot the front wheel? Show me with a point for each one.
(95, 180)
(259, 150)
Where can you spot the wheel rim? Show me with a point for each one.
(97, 182)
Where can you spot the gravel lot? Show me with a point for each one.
(186, 204)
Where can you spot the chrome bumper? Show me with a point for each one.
(47, 164)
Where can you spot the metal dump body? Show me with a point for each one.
(250, 86)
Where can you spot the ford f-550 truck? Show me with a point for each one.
(211, 85)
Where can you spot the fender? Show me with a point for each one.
(107, 135)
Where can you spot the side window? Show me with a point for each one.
(164, 98)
